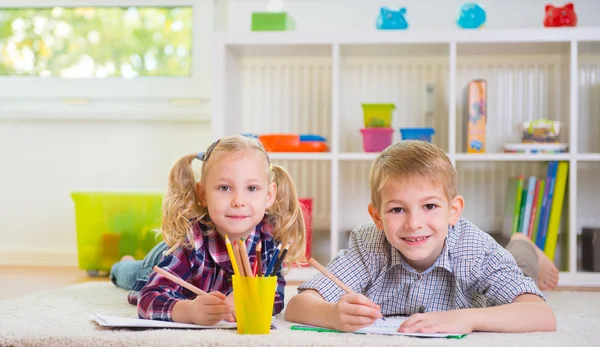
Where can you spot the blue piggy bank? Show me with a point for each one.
(389, 19)
(470, 16)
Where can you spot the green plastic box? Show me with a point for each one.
(378, 115)
(272, 21)
(111, 224)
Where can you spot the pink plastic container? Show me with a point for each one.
(376, 139)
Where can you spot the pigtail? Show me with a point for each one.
(180, 208)
(287, 217)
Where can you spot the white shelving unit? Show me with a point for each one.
(314, 83)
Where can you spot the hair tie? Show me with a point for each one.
(200, 156)
(271, 167)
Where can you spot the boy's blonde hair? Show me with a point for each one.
(411, 159)
(181, 209)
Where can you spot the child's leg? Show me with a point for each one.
(533, 262)
(127, 271)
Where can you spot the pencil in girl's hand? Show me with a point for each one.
(244, 257)
(273, 261)
(329, 275)
(236, 271)
(258, 260)
(236, 254)
(280, 260)
(179, 281)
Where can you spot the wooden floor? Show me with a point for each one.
(21, 280)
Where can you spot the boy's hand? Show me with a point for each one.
(354, 311)
(455, 322)
(210, 309)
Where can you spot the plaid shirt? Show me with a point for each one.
(207, 266)
(472, 271)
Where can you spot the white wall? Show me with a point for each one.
(334, 15)
(43, 160)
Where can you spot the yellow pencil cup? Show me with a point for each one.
(254, 298)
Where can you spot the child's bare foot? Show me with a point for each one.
(127, 257)
(547, 271)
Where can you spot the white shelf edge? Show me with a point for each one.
(517, 35)
(588, 157)
(358, 155)
(300, 155)
(579, 279)
(511, 157)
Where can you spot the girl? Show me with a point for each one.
(240, 194)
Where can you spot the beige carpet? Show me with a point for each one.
(61, 318)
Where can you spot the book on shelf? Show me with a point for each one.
(534, 205)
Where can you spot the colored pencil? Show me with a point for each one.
(273, 261)
(258, 260)
(236, 271)
(238, 260)
(280, 260)
(179, 281)
(329, 275)
(244, 257)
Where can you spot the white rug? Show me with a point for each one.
(61, 318)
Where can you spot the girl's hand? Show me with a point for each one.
(210, 309)
(454, 322)
(231, 304)
(354, 311)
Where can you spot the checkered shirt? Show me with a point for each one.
(207, 266)
(472, 271)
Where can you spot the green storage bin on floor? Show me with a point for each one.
(272, 21)
(112, 224)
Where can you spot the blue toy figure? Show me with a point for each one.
(471, 16)
(392, 20)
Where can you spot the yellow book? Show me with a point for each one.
(556, 210)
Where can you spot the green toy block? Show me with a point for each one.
(272, 21)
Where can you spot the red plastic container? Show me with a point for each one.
(306, 204)
(376, 139)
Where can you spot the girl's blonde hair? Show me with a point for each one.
(412, 159)
(181, 208)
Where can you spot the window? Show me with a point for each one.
(105, 49)
(96, 42)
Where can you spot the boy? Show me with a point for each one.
(420, 259)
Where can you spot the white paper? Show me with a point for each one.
(123, 322)
(389, 327)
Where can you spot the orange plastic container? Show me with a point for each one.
(280, 142)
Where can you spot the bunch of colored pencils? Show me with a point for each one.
(238, 253)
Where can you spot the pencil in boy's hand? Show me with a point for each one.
(280, 260)
(258, 260)
(236, 271)
(179, 281)
(329, 275)
(273, 261)
(244, 257)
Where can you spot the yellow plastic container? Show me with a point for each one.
(378, 115)
(112, 224)
(254, 298)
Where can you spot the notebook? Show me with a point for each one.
(387, 327)
(123, 322)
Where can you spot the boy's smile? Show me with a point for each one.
(415, 215)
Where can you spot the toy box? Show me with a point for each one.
(272, 21)
(112, 224)
(423, 134)
(477, 116)
(378, 115)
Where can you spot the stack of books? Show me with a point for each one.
(534, 205)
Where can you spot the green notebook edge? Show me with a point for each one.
(327, 330)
